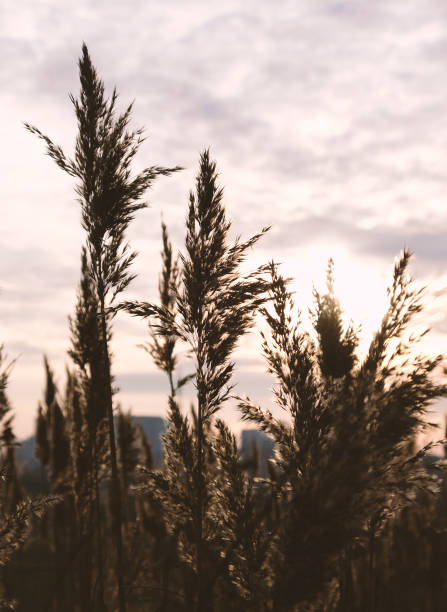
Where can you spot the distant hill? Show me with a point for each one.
(25, 455)
(265, 445)
(153, 427)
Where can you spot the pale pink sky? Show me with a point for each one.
(327, 120)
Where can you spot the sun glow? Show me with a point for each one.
(361, 289)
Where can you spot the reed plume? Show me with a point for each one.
(343, 465)
(215, 306)
(109, 198)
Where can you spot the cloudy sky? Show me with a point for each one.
(328, 120)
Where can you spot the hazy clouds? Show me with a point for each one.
(327, 120)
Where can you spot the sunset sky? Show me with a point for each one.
(328, 121)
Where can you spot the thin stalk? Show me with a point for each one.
(165, 578)
(63, 572)
(171, 383)
(117, 513)
(98, 530)
(371, 568)
(200, 507)
(165, 590)
(345, 582)
(199, 544)
(85, 570)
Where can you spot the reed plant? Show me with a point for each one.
(343, 465)
(215, 305)
(17, 511)
(327, 528)
(110, 197)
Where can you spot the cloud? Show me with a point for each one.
(137, 382)
(247, 380)
(326, 119)
(426, 241)
(32, 280)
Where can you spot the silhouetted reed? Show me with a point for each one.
(347, 507)
(343, 466)
(109, 198)
(215, 305)
(16, 510)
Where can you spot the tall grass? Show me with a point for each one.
(344, 465)
(109, 198)
(328, 526)
(214, 306)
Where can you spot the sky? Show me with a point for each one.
(328, 121)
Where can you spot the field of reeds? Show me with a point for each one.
(348, 515)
